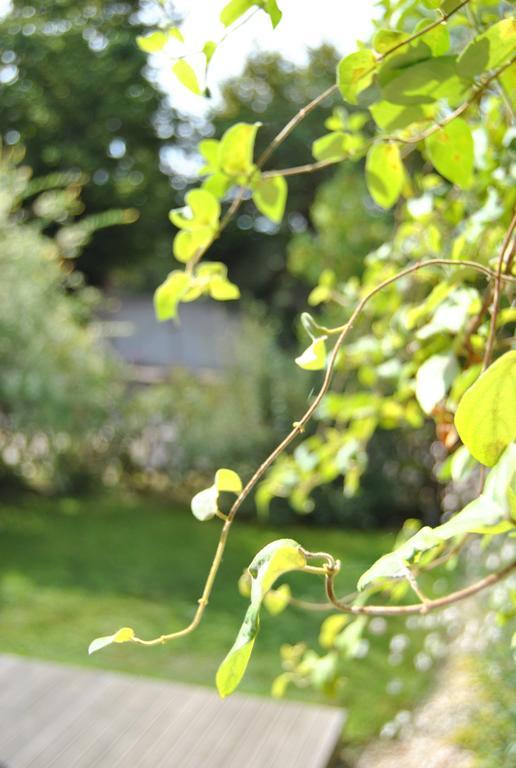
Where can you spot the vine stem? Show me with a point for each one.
(421, 608)
(298, 429)
(497, 293)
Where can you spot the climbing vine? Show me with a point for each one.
(425, 334)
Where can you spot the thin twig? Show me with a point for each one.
(497, 294)
(421, 608)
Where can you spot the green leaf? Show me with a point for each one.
(270, 197)
(426, 82)
(270, 563)
(221, 289)
(314, 357)
(228, 481)
(450, 150)
(385, 39)
(237, 148)
(124, 635)
(209, 49)
(233, 10)
(233, 667)
(384, 173)
(204, 504)
(273, 561)
(348, 640)
(392, 117)
(271, 7)
(330, 147)
(330, 628)
(186, 76)
(355, 73)
(280, 683)
(276, 600)
(501, 480)
(393, 565)
(434, 379)
(488, 50)
(437, 39)
(204, 207)
(209, 149)
(152, 43)
(169, 294)
(187, 244)
(486, 415)
(482, 515)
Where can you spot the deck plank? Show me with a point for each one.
(52, 716)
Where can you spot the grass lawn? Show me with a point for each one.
(73, 570)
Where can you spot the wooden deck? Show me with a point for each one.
(53, 716)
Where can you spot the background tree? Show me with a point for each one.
(74, 92)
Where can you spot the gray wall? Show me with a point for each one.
(203, 338)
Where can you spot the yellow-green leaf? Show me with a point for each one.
(486, 415)
(186, 76)
(355, 73)
(169, 294)
(314, 357)
(152, 43)
(237, 148)
(450, 150)
(124, 635)
(270, 197)
(233, 10)
(330, 628)
(271, 562)
(233, 667)
(384, 173)
(228, 480)
(276, 600)
(489, 50)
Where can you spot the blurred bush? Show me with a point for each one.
(57, 385)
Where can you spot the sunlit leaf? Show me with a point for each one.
(434, 379)
(489, 50)
(385, 39)
(233, 667)
(271, 562)
(276, 600)
(271, 7)
(451, 151)
(237, 148)
(124, 635)
(270, 197)
(355, 73)
(330, 628)
(384, 173)
(426, 82)
(209, 49)
(314, 357)
(394, 564)
(486, 415)
(227, 480)
(153, 42)
(233, 10)
(169, 294)
(348, 640)
(186, 76)
(204, 504)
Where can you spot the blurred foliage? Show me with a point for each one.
(74, 90)
(57, 385)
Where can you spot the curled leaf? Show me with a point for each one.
(124, 635)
